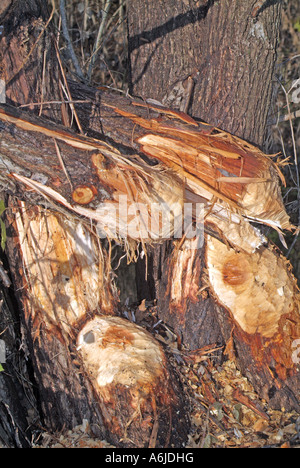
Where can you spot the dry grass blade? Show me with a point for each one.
(62, 164)
(232, 178)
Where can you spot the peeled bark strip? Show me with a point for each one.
(139, 396)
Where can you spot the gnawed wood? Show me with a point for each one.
(58, 279)
(65, 280)
(228, 168)
(263, 302)
(138, 392)
(258, 289)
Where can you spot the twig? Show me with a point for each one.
(62, 7)
(286, 117)
(62, 164)
(82, 101)
(293, 136)
(294, 240)
(295, 163)
(99, 36)
(43, 84)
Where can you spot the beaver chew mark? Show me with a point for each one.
(235, 271)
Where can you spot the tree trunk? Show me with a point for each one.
(216, 61)
(140, 161)
(228, 54)
(30, 71)
(61, 274)
(19, 407)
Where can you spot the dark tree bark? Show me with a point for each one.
(229, 55)
(16, 392)
(17, 395)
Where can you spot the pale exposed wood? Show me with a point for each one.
(129, 371)
(263, 302)
(230, 60)
(258, 289)
(63, 267)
